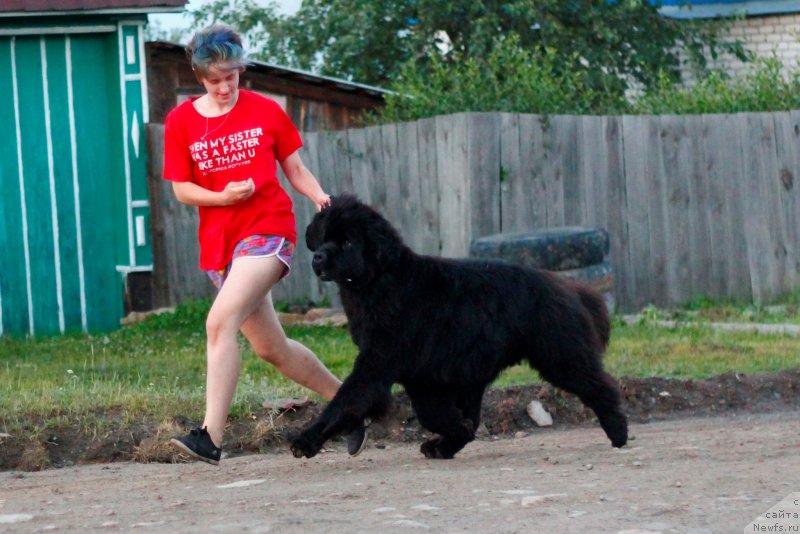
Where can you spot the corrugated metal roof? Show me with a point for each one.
(44, 7)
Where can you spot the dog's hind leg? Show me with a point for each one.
(437, 412)
(596, 389)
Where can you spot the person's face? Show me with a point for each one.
(221, 84)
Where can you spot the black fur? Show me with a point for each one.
(446, 328)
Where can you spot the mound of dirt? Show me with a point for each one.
(504, 414)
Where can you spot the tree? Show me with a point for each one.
(613, 43)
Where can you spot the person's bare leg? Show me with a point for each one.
(293, 359)
(244, 290)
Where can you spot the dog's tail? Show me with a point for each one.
(594, 303)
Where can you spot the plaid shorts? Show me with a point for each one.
(257, 246)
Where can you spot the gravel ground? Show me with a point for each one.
(693, 475)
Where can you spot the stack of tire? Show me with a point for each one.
(573, 252)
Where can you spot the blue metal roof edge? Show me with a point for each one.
(711, 10)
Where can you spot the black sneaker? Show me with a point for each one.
(198, 445)
(357, 440)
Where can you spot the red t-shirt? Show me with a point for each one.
(247, 142)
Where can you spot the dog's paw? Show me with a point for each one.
(620, 438)
(302, 446)
(432, 449)
(616, 427)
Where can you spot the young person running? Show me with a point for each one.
(221, 152)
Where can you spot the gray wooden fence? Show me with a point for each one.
(694, 205)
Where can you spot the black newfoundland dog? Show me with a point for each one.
(445, 329)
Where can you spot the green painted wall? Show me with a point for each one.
(73, 177)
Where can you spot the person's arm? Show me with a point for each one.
(303, 181)
(195, 195)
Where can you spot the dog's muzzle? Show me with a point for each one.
(318, 265)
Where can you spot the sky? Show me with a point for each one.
(176, 20)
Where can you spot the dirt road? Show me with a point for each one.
(693, 475)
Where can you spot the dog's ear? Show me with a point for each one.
(315, 231)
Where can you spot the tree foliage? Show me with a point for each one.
(612, 42)
(443, 56)
(510, 78)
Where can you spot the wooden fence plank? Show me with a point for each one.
(763, 232)
(718, 209)
(483, 174)
(724, 168)
(409, 188)
(591, 172)
(568, 165)
(787, 137)
(430, 242)
(360, 164)
(510, 166)
(451, 165)
(654, 198)
(393, 207)
(374, 156)
(637, 175)
(557, 131)
(699, 234)
(602, 171)
(615, 222)
(672, 249)
(524, 204)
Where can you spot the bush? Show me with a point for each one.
(513, 79)
(510, 79)
(766, 87)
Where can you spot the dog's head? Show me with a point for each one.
(352, 243)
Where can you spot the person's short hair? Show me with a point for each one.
(215, 45)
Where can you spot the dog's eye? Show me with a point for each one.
(347, 245)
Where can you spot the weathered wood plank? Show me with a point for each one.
(602, 171)
(591, 172)
(525, 204)
(568, 163)
(672, 245)
(699, 221)
(390, 174)
(430, 242)
(359, 164)
(787, 137)
(724, 168)
(451, 165)
(374, 154)
(409, 187)
(556, 132)
(483, 174)
(637, 285)
(763, 230)
(510, 166)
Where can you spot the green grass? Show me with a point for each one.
(156, 369)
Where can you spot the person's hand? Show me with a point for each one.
(323, 202)
(238, 191)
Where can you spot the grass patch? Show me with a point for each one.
(156, 369)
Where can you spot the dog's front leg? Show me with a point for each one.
(361, 395)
